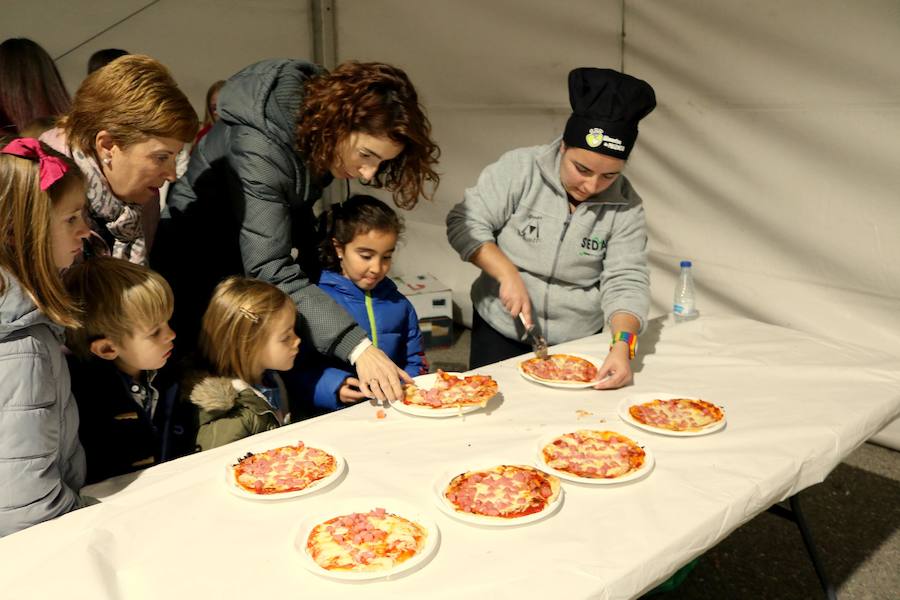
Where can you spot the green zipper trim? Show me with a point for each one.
(371, 314)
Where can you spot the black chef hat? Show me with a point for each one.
(606, 108)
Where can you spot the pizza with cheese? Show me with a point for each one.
(450, 391)
(502, 492)
(594, 454)
(372, 541)
(560, 368)
(284, 469)
(677, 414)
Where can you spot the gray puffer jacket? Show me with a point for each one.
(42, 464)
(245, 201)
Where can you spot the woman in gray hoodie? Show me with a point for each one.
(559, 232)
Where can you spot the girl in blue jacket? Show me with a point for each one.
(361, 236)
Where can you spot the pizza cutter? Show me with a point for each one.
(538, 343)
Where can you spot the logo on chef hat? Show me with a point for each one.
(594, 137)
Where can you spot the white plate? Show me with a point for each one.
(321, 484)
(625, 404)
(344, 507)
(565, 385)
(426, 382)
(444, 479)
(643, 471)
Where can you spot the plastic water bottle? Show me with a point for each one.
(683, 306)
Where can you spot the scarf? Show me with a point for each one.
(122, 220)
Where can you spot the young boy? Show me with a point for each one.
(129, 420)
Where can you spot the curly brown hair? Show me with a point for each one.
(379, 100)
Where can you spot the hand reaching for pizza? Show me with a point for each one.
(349, 391)
(615, 372)
(379, 377)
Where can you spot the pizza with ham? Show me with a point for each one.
(560, 368)
(502, 492)
(284, 469)
(594, 454)
(372, 541)
(677, 414)
(450, 391)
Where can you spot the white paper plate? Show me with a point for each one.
(321, 484)
(444, 479)
(427, 382)
(643, 471)
(565, 385)
(625, 404)
(344, 507)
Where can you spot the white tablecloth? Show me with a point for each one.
(796, 406)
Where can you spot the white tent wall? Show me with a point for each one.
(771, 160)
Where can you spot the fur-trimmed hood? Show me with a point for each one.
(214, 394)
(218, 395)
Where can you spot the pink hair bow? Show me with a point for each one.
(51, 167)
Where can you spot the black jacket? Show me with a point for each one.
(244, 202)
(117, 435)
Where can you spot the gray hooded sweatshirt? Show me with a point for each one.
(579, 268)
(42, 464)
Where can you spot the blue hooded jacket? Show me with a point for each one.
(391, 323)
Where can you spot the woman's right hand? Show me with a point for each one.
(492, 260)
(514, 296)
(379, 377)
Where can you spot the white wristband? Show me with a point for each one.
(360, 348)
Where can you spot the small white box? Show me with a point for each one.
(429, 297)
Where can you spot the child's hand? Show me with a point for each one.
(349, 392)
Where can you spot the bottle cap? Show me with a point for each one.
(685, 263)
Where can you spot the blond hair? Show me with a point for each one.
(236, 324)
(26, 248)
(133, 98)
(116, 296)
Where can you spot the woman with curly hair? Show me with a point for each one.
(286, 130)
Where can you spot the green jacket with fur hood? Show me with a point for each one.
(229, 410)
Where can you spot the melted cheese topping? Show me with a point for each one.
(561, 368)
(679, 414)
(594, 454)
(372, 541)
(450, 391)
(284, 469)
(507, 491)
